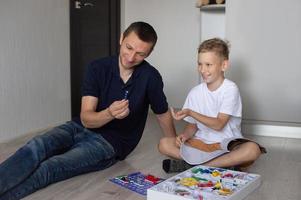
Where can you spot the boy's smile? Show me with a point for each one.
(211, 67)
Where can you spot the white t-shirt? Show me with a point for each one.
(226, 99)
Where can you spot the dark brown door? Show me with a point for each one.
(94, 33)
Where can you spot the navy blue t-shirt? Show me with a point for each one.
(145, 87)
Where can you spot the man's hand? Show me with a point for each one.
(119, 109)
(180, 114)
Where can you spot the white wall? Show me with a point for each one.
(265, 63)
(177, 23)
(34, 65)
(265, 58)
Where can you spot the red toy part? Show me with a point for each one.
(152, 179)
(207, 184)
(229, 175)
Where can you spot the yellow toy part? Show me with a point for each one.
(218, 185)
(215, 173)
(224, 191)
(188, 181)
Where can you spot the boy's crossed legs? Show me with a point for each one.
(240, 155)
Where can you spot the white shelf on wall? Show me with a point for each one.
(213, 7)
(212, 21)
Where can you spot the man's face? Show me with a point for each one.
(133, 51)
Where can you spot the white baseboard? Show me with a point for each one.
(271, 130)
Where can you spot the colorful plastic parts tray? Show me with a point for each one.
(205, 183)
(137, 182)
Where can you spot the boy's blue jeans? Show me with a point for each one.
(61, 153)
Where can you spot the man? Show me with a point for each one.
(116, 95)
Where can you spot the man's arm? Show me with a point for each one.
(92, 119)
(166, 123)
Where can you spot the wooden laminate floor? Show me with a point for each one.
(280, 169)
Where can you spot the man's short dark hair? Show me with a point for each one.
(144, 31)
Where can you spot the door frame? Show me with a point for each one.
(114, 21)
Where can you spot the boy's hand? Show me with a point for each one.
(180, 114)
(181, 139)
(119, 109)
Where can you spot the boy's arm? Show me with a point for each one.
(216, 123)
(188, 132)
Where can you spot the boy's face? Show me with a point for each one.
(212, 67)
(133, 51)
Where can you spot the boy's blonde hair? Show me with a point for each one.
(216, 45)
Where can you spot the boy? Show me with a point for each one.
(213, 112)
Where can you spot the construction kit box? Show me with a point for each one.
(205, 183)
